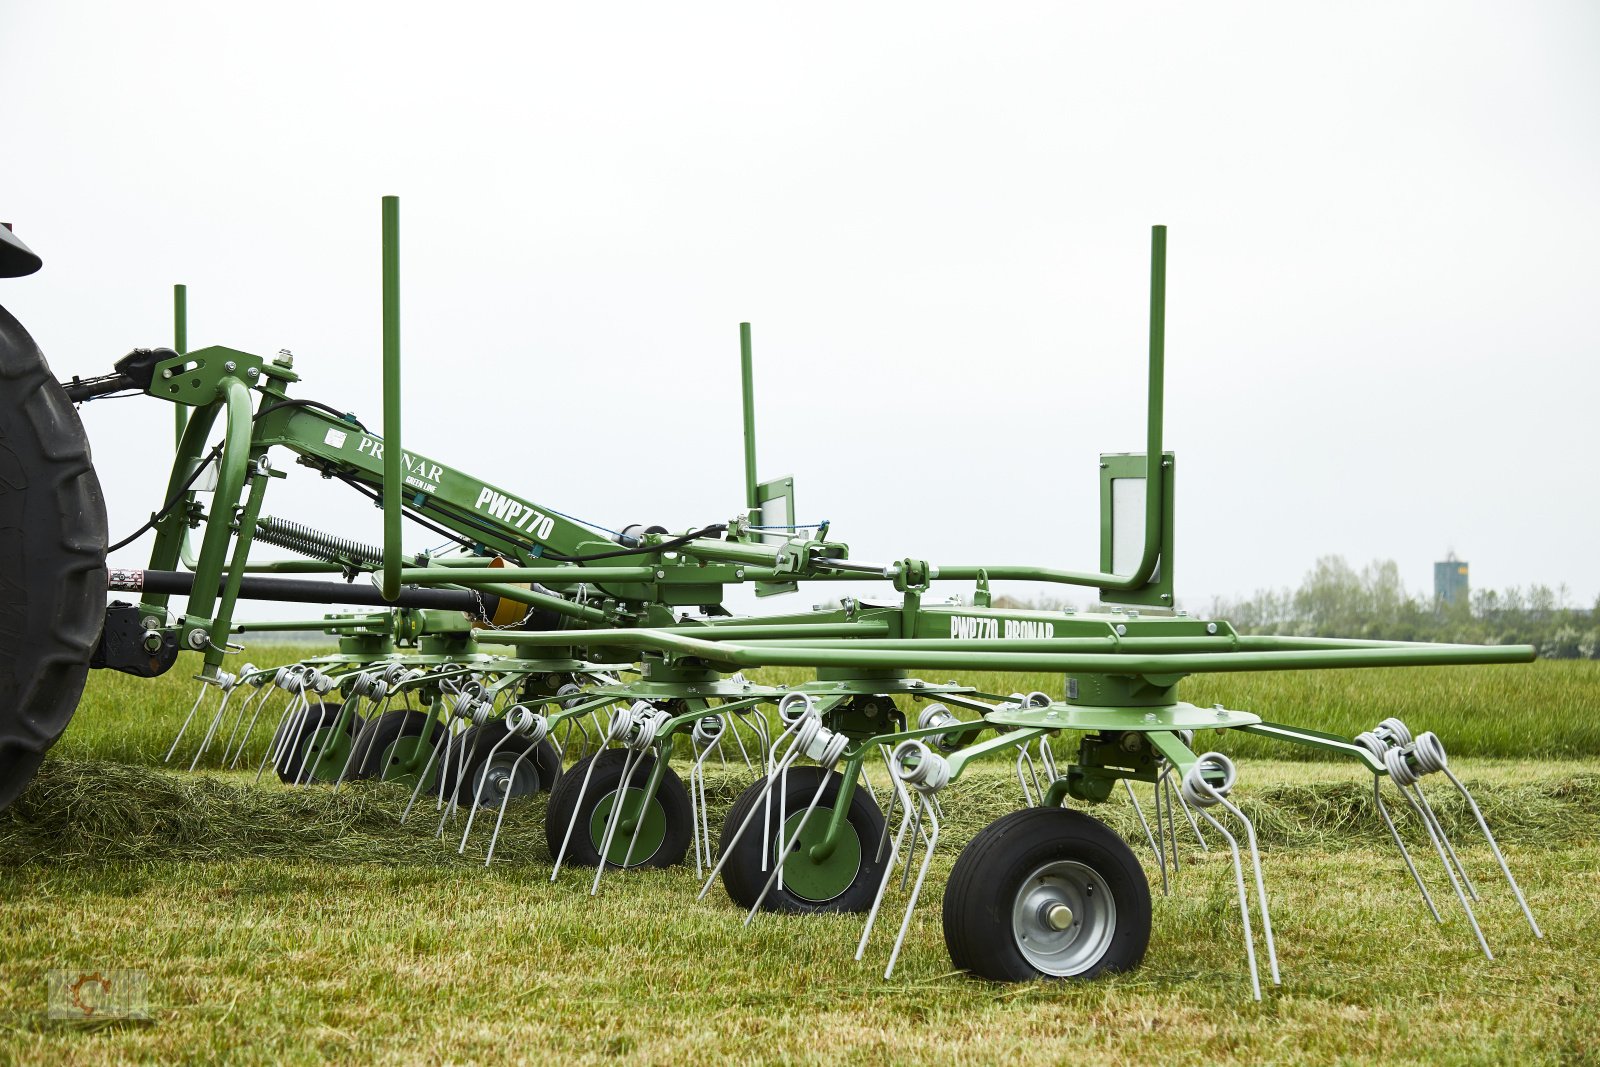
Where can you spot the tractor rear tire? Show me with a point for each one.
(52, 558)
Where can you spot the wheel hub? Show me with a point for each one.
(814, 877)
(1063, 918)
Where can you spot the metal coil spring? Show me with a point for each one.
(918, 767)
(291, 679)
(707, 730)
(1424, 756)
(470, 706)
(314, 544)
(935, 715)
(1202, 793)
(527, 723)
(794, 707)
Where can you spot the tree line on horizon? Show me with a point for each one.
(1336, 600)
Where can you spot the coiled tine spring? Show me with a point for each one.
(638, 739)
(804, 721)
(825, 747)
(472, 708)
(529, 727)
(918, 774)
(1204, 794)
(705, 737)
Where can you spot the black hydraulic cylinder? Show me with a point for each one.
(304, 591)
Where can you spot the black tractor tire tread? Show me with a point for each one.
(52, 558)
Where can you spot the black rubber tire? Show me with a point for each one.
(52, 558)
(384, 730)
(478, 741)
(582, 850)
(990, 872)
(743, 875)
(290, 763)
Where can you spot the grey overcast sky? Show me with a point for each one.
(1383, 290)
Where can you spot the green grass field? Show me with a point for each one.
(282, 925)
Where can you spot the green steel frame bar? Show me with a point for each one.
(392, 467)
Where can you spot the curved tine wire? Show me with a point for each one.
(1161, 843)
(483, 780)
(777, 866)
(698, 816)
(577, 806)
(1433, 817)
(436, 733)
(211, 731)
(1244, 900)
(630, 764)
(349, 708)
(1261, 882)
(449, 808)
(901, 792)
(1405, 854)
(238, 720)
(293, 716)
(561, 759)
(738, 717)
(1138, 810)
(1494, 846)
(1172, 825)
(1466, 904)
(896, 788)
(922, 875)
(182, 729)
(1195, 826)
(355, 736)
(275, 742)
(1028, 794)
(727, 846)
(265, 696)
(1047, 754)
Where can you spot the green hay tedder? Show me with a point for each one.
(547, 657)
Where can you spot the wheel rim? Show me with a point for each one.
(819, 881)
(403, 759)
(652, 833)
(506, 772)
(1061, 942)
(324, 755)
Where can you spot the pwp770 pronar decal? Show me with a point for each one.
(979, 628)
(514, 512)
(421, 473)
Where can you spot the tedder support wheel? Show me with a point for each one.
(663, 837)
(515, 766)
(391, 747)
(845, 880)
(1046, 893)
(52, 558)
(316, 751)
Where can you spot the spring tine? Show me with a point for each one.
(1022, 780)
(488, 857)
(727, 846)
(916, 890)
(1494, 846)
(1195, 826)
(1172, 830)
(583, 790)
(739, 717)
(630, 765)
(211, 731)
(777, 867)
(347, 715)
(192, 709)
(238, 720)
(1244, 901)
(1383, 809)
(1433, 817)
(888, 815)
(477, 794)
(461, 769)
(1161, 844)
(888, 869)
(1466, 905)
(1139, 811)
(1261, 883)
(249, 731)
(431, 731)
(276, 744)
